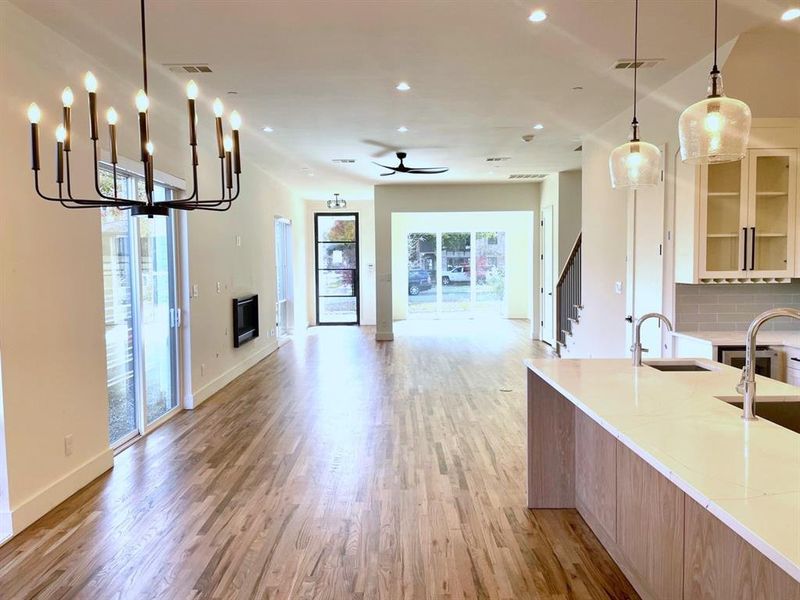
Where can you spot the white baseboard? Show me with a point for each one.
(44, 501)
(384, 336)
(212, 387)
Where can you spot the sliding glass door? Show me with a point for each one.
(140, 314)
(457, 274)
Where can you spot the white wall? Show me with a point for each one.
(51, 285)
(437, 198)
(366, 247)
(563, 191)
(518, 227)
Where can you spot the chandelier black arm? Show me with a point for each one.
(205, 204)
(65, 201)
(115, 199)
(84, 202)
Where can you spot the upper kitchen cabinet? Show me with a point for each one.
(736, 221)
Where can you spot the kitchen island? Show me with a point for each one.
(689, 500)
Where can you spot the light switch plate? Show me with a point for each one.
(618, 287)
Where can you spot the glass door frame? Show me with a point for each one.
(129, 188)
(356, 271)
(284, 307)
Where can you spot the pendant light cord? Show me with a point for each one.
(635, 121)
(144, 50)
(715, 69)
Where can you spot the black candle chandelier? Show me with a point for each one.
(227, 149)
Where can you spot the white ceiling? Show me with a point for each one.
(323, 74)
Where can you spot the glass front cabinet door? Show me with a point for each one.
(747, 212)
(772, 197)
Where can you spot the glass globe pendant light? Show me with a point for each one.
(635, 164)
(714, 130)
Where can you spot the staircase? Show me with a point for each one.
(568, 298)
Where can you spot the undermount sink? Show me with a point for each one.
(677, 365)
(781, 410)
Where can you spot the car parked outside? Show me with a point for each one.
(459, 274)
(419, 280)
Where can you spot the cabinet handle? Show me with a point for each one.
(744, 250)
(753, 250)
(794, 359)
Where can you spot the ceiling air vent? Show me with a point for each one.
(498, 158)
(193, 68)
(344, 161)
(527, 176)
(643, 63)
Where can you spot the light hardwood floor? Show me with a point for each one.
(338, 467)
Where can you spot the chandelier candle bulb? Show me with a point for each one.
(218, 111)
(90, 82)
(67, 99)
(34, 115)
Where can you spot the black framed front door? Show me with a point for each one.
(336, 259)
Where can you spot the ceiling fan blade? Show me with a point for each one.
(389, 173)
(384, 166)
(428, 171)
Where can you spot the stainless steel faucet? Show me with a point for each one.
(637, 344)
(747, 384)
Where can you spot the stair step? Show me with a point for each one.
(578, 306)
(564, 331)
(575, 320)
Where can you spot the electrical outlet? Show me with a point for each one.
(195, 291)
(618, 287)
(202, 369)
(68, 445)
(238, 241)
(271, 333)
(219, 287)
(226, 332)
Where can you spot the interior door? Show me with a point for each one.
(645, 268)
(547, 255)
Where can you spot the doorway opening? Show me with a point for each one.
(141, 313)
(336, 261)
(284, 305)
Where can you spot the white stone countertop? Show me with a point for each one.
(737, 338)
(746, 474)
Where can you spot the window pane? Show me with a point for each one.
(335, 255)
(155, 326)
(336, 229)
(336, 283)
(456, 277)
(490, 267)
(337, 310)
(118, 297)
(421, 273)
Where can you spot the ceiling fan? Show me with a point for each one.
(402, 168)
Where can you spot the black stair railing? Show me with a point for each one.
(568, 293)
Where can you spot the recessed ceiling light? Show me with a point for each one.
(402, 129)
(268, 129)
(791, 14)
(537, 16)
(402, 87)
(538, 126)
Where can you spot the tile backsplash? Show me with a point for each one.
(731, 307)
